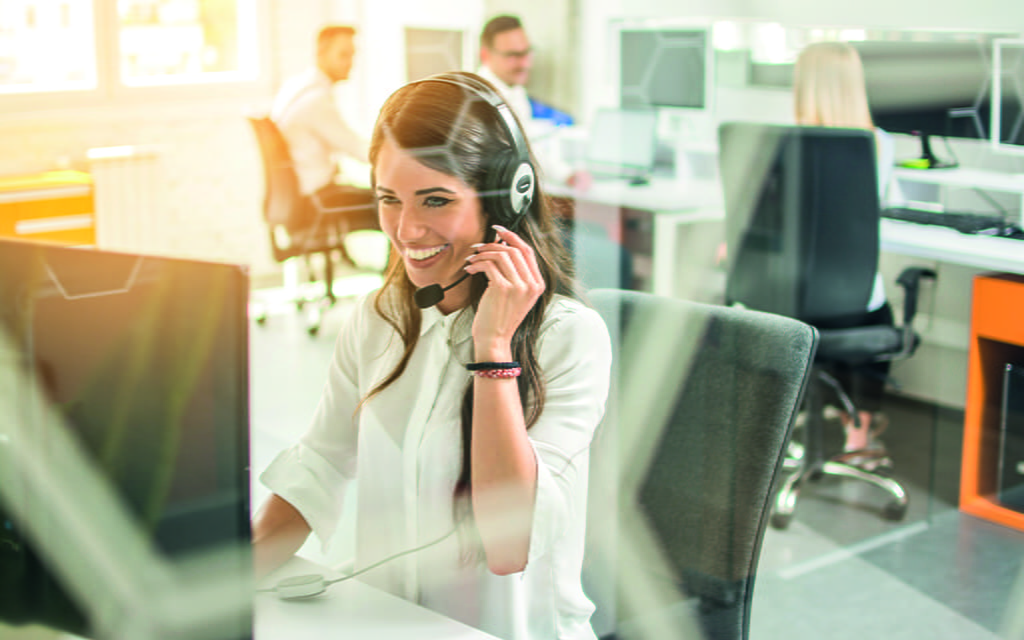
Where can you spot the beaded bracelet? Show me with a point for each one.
(495, 369)
(498, 373)
(482, 366)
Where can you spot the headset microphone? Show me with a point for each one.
(432, 294)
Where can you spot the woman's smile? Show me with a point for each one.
(420, 256)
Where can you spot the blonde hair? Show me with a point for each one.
(828, 87)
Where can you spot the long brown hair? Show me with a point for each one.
(452, 130)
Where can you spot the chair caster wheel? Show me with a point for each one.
(261, 320)
(781, 521)
(894, 511)
(312, 331)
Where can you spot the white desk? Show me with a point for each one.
(660, 195)
(948, 245)
(967, 178)
(673, 204)
(351, 610)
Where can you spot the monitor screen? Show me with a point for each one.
(146, 359)
(663, 68)
(933, 88)
(622, 142)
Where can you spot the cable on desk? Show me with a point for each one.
(312, 584)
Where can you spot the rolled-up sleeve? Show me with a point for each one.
(575, 356)
(313, 474)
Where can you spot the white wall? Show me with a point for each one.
(901, 14)
(383, 30)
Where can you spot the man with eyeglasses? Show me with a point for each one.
(505, 61)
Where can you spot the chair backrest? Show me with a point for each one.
(703, 400)
(282, 198)
(802, 212)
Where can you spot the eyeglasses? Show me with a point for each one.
(525, 53)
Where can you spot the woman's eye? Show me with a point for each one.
(386, 200)
(434, 202)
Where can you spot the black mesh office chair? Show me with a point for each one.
(802, 211)
(683, 466)
(302, 226)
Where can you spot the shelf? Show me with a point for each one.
(964, 177)
(55, 206)
(997, 337)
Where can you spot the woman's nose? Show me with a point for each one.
(410, 225)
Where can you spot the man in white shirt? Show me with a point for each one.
(308, 117)
(505, 61)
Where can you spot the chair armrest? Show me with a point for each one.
(910, 280)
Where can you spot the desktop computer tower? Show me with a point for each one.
(1010, 481)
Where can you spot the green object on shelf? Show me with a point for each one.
(916, 163)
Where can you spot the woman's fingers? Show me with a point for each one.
(513, 240)
(503, 263)
(521, 256)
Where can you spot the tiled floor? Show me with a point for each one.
(839, 570)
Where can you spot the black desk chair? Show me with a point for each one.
(802, 223)
(684, 465)
(302, 226)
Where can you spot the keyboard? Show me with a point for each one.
(962, 221)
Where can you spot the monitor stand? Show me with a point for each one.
(929, 159)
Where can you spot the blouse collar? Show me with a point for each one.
(458, 325)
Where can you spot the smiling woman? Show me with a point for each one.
(472, 416)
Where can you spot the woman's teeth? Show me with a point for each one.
(423, 254)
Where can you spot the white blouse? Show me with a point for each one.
(406, 444)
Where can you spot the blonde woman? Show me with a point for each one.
(829, 91)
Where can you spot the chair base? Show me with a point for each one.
(313, 305)
(789, 492)
(806, 461)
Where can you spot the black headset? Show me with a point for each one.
(511, 181)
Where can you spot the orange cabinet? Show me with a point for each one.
(55, 206)
(997, 338)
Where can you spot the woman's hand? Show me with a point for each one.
(515, 284)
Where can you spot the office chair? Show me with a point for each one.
(302, 226)
(802, 225)
(683, 466)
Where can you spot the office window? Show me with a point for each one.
(103, 48)
(47, 46)
(186, 41)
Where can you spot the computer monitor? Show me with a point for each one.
(931, 88)
(1008, 94)
(146, 360)
(621, 143)
(664, 67)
